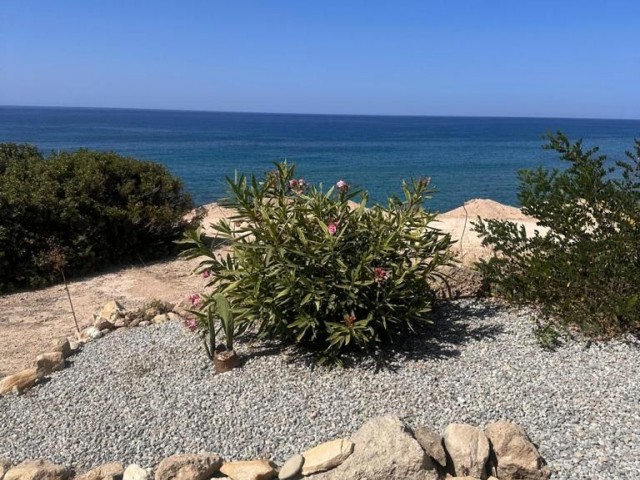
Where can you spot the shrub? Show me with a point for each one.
(316, 268)
(584, 272)
(98, 208)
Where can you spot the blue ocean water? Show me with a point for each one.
(465, 157)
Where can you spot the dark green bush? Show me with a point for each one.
(585, 271)
(97, 208)
(317, 269)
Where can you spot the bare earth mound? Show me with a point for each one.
(30, 320)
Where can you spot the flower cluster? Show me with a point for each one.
(342, 186)
(349, 320)
(380, 274)
(297, 185)
(191, 324)
(195, 300)
(333, 228)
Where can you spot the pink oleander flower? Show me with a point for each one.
(293, 183)
(297, 185)
(195, 300)
(380, 274)
(333, 228)
(349, 320)
(206, 273)
(342, 185)
(191, 324)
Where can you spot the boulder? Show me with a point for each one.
(431, 442)
(189, 467)
(5, 465)
(516, 456)
(291, 468)
(109, 471)
(326, 456)
(49, 362)
(112, 311)
(20, 381)
(468, 449)
(37, 470)
(135, 472)
(384, 449)
(249, 470)
(61, 345)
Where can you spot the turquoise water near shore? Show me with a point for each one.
(466, 157)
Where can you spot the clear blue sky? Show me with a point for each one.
(570, 58)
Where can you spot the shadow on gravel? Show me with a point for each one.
(454, 323)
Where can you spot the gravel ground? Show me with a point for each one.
(143, 394)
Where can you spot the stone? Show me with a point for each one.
(249, 470)
(134, 322)
(109, 471)
(112, 311)
(37, 470)
(326, 456)
(468, 449)
(291, 468)
(75, 346)
(102, 323)
(91, 333)
(61, 345)
(119, 323)
(144, 323)
(160, 318)
(516, 456)
(135, 472)
(49, 362)
(20, 381)
(189, 467)
(431, 442)
(5, 465)
(174, 317)
(384, 449)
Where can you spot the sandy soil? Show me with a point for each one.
(30, 320)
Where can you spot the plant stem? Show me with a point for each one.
(73, 312)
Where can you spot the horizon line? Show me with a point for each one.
(541, 117)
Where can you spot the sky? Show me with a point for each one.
(569, 58)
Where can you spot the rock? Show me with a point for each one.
(516, 456)
(291, 467)
(160, 318)
(183, 312)
(468, 448)
(431, 442)
(384, 449)
(174, 317)
(20, 381)
(91, 333)
(112, 311)
(37, 470)
(61, 345)
(249, 470)
(105, 331)
(119, 323)
(135, 472)
(144, 323)
(326, 456)
(49, 362)
(102, 323)
(109, 471)
(189, 467)
(5, 465)
(75, 346)
(134, 322)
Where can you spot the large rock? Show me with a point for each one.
(62, 345)
(49, 362)
(326, 456)
(189, 467)
(249, 470)
(516, 456)
(291, 468)
(109, 471)
(37, 470)
(135, 472)
(20, 381)
(5, 465)
(431, 442)
(384, 449)
(468, 448)
(112, 311)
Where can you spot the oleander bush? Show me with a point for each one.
(315, 268)
(93, 209)
(585, 271)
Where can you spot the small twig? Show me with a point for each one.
(73, 312)
(464, 228)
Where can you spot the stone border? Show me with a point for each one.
(384, 448)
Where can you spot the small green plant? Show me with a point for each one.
(583, 272)
(57, 259)
(315, 268)
(209, 310)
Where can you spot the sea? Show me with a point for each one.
(466, 157)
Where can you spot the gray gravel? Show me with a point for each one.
(140, 395)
